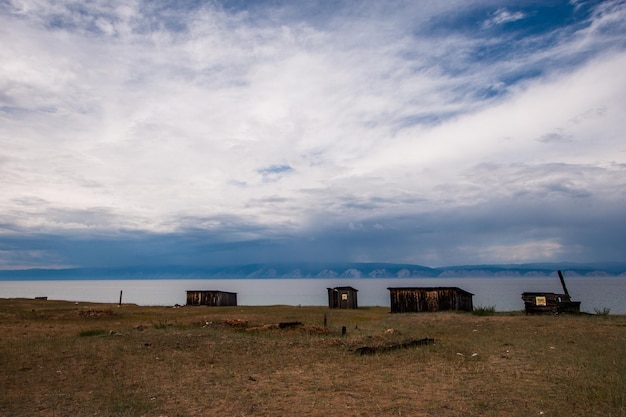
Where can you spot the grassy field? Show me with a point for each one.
(81, 359)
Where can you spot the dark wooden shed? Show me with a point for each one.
(418, 299)
(342, 297)
(211, 298)
(549, 302)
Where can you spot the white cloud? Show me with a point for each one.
(152, 118)
(502, 16)
(535, 251)
(507, 131)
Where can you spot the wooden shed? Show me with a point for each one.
(211, 298)
(418, 299)
(549, 302)
(342, 297)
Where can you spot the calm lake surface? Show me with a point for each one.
(503, 293)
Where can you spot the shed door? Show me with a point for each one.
(343, 300)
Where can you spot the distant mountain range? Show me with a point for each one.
(318, 270)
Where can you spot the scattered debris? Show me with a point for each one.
(370, 350)
(95, 313)
(299, 326)
(288, 324)
(317, 330)
(236, 323)
(264, 327)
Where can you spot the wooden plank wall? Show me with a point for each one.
(405, 300)
(211, 298)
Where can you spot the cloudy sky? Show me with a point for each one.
(231, 131)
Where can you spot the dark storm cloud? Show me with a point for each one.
(549, 229)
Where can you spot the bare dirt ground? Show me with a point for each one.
(80, 359)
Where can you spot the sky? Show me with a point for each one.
(233, 132)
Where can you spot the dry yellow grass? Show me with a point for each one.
(67, 359)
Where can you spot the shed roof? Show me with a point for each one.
(429, 289)
(343, 288)
(540, 293)
(213, 291)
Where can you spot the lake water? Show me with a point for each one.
(503, 293)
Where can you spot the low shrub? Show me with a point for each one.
(484, 310)
(162, 324)
(602, 312)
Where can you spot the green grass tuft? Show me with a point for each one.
(93, 332)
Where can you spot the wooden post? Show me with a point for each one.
(563, 282)
(120, 297)
(343, 330)
(325, 321)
